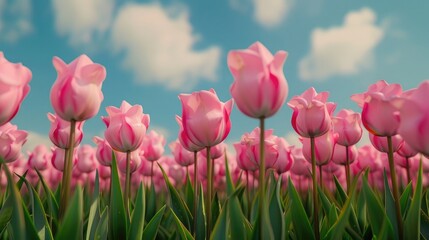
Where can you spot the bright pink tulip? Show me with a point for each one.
(57, 158)
(76, 94)
(300, 166)
(184, 138)
(205, 119)
(182, 156)
(104, 171)
(348, 126)
(135, 161)
(126, 126)
(60, 131)
(380, 115)
(14, 79)
(406, 150)
(258, 68)
(40, 157)
(11, 141)
(103, 152)
(285, 157)
(153, 146)
(414, 113)
(311, 113)
(324, 146)
(380, 143)
(339, 154)
(368, 157)
(86, 160)
(216, 151)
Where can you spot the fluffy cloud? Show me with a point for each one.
(82, 20)
(270, 13)
(15, 19)
(35, 139)
(342, 50)
(293, 139)
(158, 47)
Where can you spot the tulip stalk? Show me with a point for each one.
(395, 188)
(347, 166)
(195, 192)
(209, 193)
(315, 192)
(67, 172)
(127, 183)
(261, 173)
(407, 162)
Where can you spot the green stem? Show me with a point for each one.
(315, 191)
(347, 170)
(151, 173)
(127, 184)
(407, 161)
(209, 194)
(395, 188)
(261, 174)
(248, 195)
(195, 193)
(67, 172)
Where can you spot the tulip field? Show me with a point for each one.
(125, 186)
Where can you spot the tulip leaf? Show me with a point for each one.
(300, 221)
(94, 212)
(389, 204)
(117, 216)
(137, 219)
(276, 211)
(405, 199)
(189, 194)
(151, 199)
(200, 230)
(71, 226)
(181, 229)
(340, 191)
(101, 232)
(237, 222)
(50, 198)
(151, 229)
(412, 220)
(221, 227)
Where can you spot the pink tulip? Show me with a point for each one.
(40, 157)
(135, 161)
(414, 126)
(184, 138)
(311, 113)
(339, 154)
(324, 146)
(14, 79)
(258, 68)
(285, 157)
(300, 166)
(205, 119)
(103, 152)
(216, 151)
(368, 157)
(380, 143)
(153, 146)
(104, 171)
(348, 126)
(60, 131)
(182, 156)
(11, 141)
(76, 94)
(126, 126)
(57, 158)
(86, 160)
(380, 115)
(406, 150)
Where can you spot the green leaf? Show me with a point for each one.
(340, 191)
(101, 232)
(216, 206)
(389, 204)
(72, 225)
(181, 229)
(177, 203)
(405, 199)
(50, 198)
(229, 184)
(237, 218)
(137, 219)
(117, 216)
(151, 199)
(189, 194)
(220, 228)
(300, 221)
(424, 225)
(276, 212)
(151, 229)
(412, 220)
(94, 212)
(200, 231)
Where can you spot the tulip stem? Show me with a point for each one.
(127, 183)
(347, 170)
(407, 162)
(261, 175)
(395, 188)
(315, 192)
(151, 173)
(248, 195)
(209, 193)
(195, 193)
(67, 171)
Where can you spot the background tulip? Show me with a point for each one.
(11, 141)
(347, 124)
(153, 146)
(60, 131)
(181, 155)
(103, 152)
(324, 147)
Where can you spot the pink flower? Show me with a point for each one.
(216, 151)
(103, 152)
(184, 138)
(182, 156)
(153, 146)
(414, 113)
(14, 79)
(258, 68)
(339, 154)
(126, 126)
(57, 158)
(86, 160)
(60, 131)
(11, 141)
(348, 126)
(135, 161)
(205, 119)
(380, 143)
(311, 113)
(380, 115)
(301, 166)
(40, 157)
(324, 147)
(406, 150)
(76, 94)
(285, 158)
(368, 157)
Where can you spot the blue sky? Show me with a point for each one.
(154, 50)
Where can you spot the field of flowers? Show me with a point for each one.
(128, 188)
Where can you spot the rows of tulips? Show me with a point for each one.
(126, 187)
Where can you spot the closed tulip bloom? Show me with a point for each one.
(14, 79)
(311, 115)
(348, 126)
(301, 166)
(76, 94)
(285, 157)
(414, 126)
(57, 158)
(258, 68)
(216, 151)
(126, 127)
(40, 157)
(380, 115)
(86, 160)
(339, 154)
(11, 141)
(184, 138)
(406, 150)
(205, 118)
(103, 152)
(181, 155)
(380, 143)
(244, 161)
(153, 146)
(324, 147)
(368, 157)
(135, 161)
(60, 131)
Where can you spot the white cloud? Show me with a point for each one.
(15, 19)
(270, 13)
(82, 20)
(158, 47)
(293, 139)
(342, 50)
(161, 130)
(35, 139)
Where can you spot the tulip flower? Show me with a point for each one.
(11, 141)
(14, 79)
(181, 155)
(103, 152)
(58, 156)
(381, 143)
(60, 131)
(86, 160)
